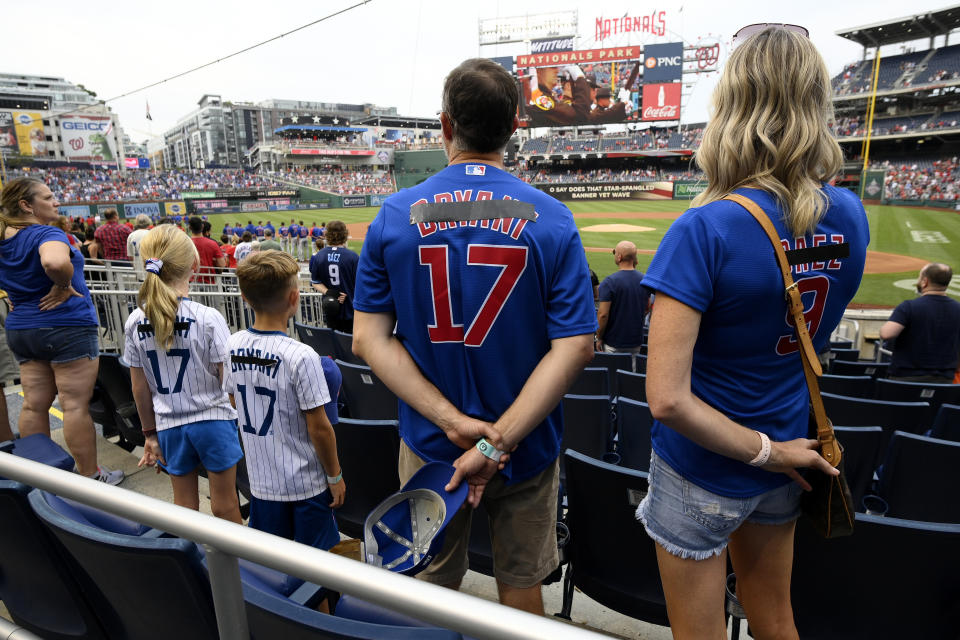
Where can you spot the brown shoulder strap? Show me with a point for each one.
(811, 364)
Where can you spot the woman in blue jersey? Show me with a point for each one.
(724, 377)
(52, 329)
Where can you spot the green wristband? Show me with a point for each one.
(489, 450)
(335, 479)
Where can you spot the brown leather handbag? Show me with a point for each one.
(829, 506)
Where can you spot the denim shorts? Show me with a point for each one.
(693, 523)
(56, 345)
(213, 443)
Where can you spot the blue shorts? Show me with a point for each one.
(213, 443)
(690, 522)
(310, 522)
(56, 345)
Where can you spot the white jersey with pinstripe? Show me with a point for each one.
(184, 381)
(273, 380)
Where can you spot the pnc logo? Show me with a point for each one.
(669, 61)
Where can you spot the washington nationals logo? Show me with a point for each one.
(707, 56)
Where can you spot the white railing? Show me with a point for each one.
(226, 541)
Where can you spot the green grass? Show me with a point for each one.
(890, 232)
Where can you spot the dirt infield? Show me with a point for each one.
(879, 262)
(635, 215)
(617, 228)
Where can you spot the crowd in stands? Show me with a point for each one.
(921, 180)
(855, 127)
(110, 185)
(900, 71)
(545, 175)
(647, 140)
(340, 180)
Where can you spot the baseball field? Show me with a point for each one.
(902, 239)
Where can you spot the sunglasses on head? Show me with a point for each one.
(751, 29)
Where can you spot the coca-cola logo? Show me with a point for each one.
(666, 112)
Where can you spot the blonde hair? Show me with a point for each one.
(13, 192)
(262, 276)
(770, 127)
(157, 297)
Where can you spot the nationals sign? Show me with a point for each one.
(661, 101)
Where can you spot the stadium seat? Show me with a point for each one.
(178, 579)
(861, 456)
(634, 422)
(850, 368)
(849, 355)
(841, 344)
(612, 560)
(874, 587)
(640, 363)
(946, 426)
(39, 584)
(920, 477)
(631, 385)
(364, 395)
(844, 411)
(852, 386)
(113, 377)
(935, 394)
(592, 381)
(368, 451)
(344, 345)
(319, 338)
(587, 423)
(39, 447)
(612, 362)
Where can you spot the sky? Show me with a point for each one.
(385, 52)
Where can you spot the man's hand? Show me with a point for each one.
(152, 454)
(477, 469)
(339, 492)
(57, 296)
(787, 457)
(466, 431)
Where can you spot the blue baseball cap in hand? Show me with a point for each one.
(405, 532)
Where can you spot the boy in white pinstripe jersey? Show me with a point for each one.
(278, 387)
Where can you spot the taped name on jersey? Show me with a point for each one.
(471, 210)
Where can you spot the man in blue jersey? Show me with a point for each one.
(294, 230)
(258, 230)
(333, 271)
(284, 237)
(623, 303)
(486, 281)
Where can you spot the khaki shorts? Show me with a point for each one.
(523, 533)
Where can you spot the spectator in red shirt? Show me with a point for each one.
(228, 250)
(210, 255)
(112, 236)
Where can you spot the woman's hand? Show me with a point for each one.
(57, 296)
(787, 457)
(152, 454)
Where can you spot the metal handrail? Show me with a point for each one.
(437, 605)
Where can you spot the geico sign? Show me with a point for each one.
(86, 126)
(670, 61)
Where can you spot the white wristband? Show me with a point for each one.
(764, 456)
(489, 450)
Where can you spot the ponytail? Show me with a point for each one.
(13, 192)
(169, 256)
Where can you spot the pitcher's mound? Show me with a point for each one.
(616, 228)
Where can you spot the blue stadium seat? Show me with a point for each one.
(320, 339)
(844, 411)
(587, 425)
(631, 385)
(841, 344)
(876, 587)
(113, 377)
(850, 368)
(935, 394)
(920, 477)
(365, 396)
(344, 344)
(39, 584)
(861, 456)
(634, 422)
(39, 447)
(851, 355)
(640, 363)
(612, 560)
(611, 362)
(592, 381)
(368, 451)
(853, 386)
(946, 426)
